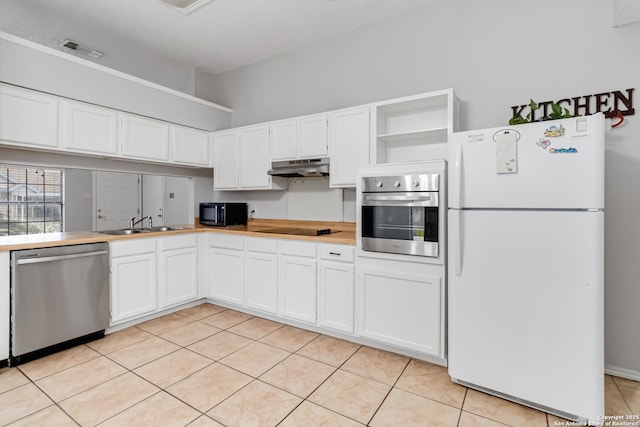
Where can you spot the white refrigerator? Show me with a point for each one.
(525, 264)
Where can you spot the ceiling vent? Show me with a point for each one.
(186, 6)
(70, 44)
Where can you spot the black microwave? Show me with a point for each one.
(221, 214)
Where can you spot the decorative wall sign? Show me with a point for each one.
(613, 104)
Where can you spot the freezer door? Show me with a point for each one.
(562, 170)
(526, 306)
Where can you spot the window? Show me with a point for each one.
(31, 200)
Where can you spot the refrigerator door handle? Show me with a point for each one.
(456, 178)
(456, 241)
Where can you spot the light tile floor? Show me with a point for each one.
(209, 366)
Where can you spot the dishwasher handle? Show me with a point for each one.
(60, 257)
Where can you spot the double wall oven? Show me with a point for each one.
(402, 209)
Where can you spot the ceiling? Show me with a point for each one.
(220, 36)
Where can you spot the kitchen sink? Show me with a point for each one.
(127, 231)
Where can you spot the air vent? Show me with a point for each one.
(70, 44)
(186, 6)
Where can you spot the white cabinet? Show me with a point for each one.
(189, 146)
(402, 304)
(133, 279)
(225, 261)
(242, 158)
(142, 138)
(28, 118)
(225, 160)
(300, 138)
(177, 270)
(4, 304)
(348, 144)
(261, 274)
(86, 128)
(297, 280)
(414, 128)
(336, 293)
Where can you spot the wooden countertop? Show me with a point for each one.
(346, 234)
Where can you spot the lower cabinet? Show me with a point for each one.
(402, 307)
(225, 261)
(148, 275)
(5, 280)
(297, 280)
(336, 293)
(177, 270)
(133, 279)
(261, 274)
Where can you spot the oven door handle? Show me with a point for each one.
(391, 198)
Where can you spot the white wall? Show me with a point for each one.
(78, 189)
(495, 54)
(62, 75)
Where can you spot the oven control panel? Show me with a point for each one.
(402, 183)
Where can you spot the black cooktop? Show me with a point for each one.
(299, 231)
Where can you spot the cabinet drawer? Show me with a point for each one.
(258, 244)
(343, 253)
(178, 242)
(132, 247)
(292, 247)
(226, 241)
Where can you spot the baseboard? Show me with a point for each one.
(622, 372)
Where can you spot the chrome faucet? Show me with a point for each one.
(150, 221)
(133, 222)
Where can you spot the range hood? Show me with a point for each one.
(300, 168)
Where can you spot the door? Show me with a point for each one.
(255, 157)
(563, 172)
(88, 128)
(526, 305)
(144, 138)
(297, 288)
(117, 197)
(312, 136)
(336, 295)
(225, 158)
(348, 144)
(28, 117)
(153, 198)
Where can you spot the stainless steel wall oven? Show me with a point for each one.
(401, 214)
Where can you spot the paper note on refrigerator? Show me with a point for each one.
(506, 152)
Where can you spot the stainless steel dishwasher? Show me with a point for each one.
(59, 297)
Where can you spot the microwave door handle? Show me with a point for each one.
(215, 214)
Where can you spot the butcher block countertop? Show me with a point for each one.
(345, 234)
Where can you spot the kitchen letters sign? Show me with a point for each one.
(616, 103)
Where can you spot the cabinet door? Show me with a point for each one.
(312, 136)
(133, 286)
(28, 117)
(189, 146)
(226, 275)
(336, 296)
(401, 309)
(284, 140)
(297, 288)
(88, 128)
(178, 278)
(225, 160)
(348, 145)
(261, 281)
(255, 157)
(4, 304)
(143, 138)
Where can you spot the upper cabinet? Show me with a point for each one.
(414, 128)
(88, 129)
(348, 144)
(189, 146)
(143, 138)
(35, 120)
(28, 118)
(299, 138)
(242, 158)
